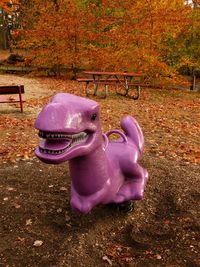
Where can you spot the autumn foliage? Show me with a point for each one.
(8, 5)
(106, 35)
(152, 36)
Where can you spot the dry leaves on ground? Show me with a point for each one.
(170, 121)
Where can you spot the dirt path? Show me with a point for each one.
(34, 89)
(163, 230)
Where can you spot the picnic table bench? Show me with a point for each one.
(8, 92)
(126, 84)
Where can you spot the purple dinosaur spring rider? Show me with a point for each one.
(102, 171)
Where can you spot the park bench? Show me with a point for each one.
(8, 94)
(127, 84)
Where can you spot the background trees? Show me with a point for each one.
(153, 36)
(9, 21)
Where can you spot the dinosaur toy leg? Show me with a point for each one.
(133, 187)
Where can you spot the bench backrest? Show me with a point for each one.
(11, 89)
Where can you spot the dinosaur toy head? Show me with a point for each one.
(69, 127)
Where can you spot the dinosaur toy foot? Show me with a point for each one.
(132, 189)
(129, 192)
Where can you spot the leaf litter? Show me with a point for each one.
(170, 121)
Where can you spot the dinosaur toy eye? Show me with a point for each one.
(93, 117)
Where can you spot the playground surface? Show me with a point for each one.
(38, 227)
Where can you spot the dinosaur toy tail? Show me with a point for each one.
(133, 131)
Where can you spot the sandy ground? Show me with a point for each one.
(34, 89)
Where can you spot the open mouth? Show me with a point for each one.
(58, 143)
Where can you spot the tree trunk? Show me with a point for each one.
(192, 87)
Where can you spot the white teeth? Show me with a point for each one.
(52, 152)
(78, 137)
(49, 135)
(75, 139)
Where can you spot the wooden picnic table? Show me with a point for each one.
(126, 83)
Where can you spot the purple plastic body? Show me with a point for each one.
(102, 171)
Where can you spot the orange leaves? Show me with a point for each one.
(106, 35)
(15, 135)
(9, 6)
(54, 37)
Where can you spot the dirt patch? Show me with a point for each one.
(34, 89)
(163, 230)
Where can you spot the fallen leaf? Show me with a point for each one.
(59, 210)
(11, 189)
(105, 258)
(67, 218)
(29, 222)
(63, 188)
(17, 206)
(38, 243)
(21, 239)
(26, 157)
(158, 256)
(167, 222)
